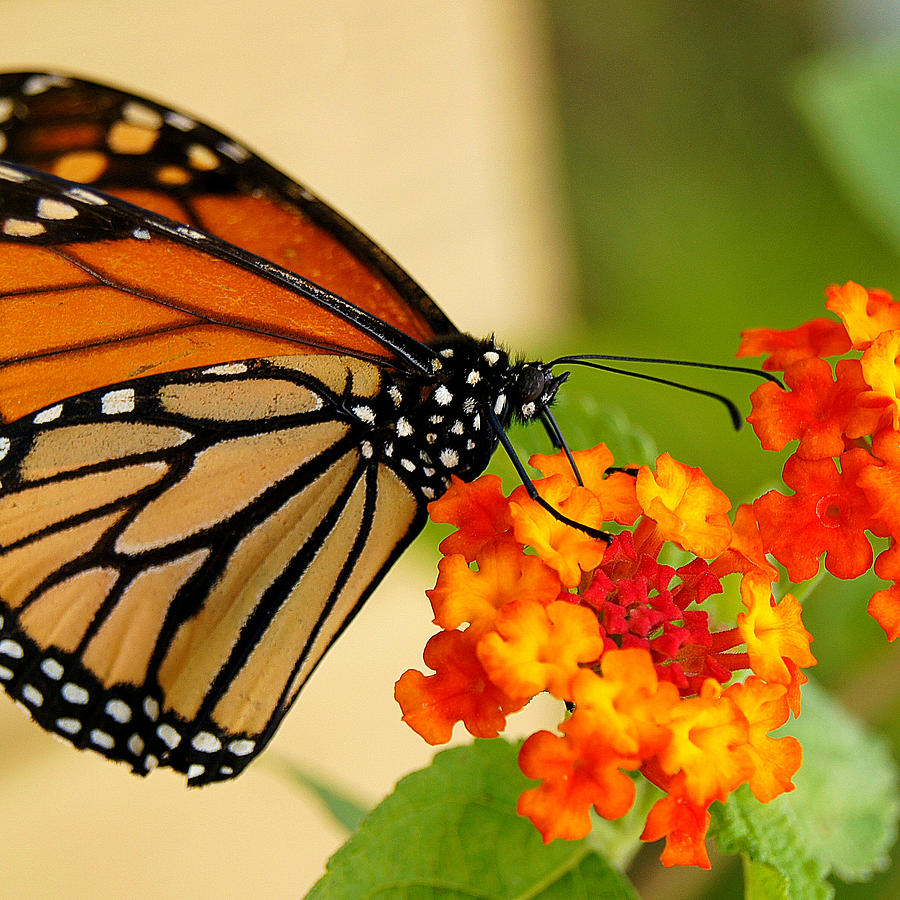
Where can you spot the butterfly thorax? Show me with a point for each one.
(446, 427)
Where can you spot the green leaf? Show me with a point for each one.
(841, 819)
(846, 798)
(777, 860)
(451, 832)
(851, 102)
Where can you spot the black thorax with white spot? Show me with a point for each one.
(444, 428)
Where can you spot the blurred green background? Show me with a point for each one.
(724, 162)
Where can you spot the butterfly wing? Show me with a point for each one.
(94, 291)
(177, 553)
(190, 506)
(165, 161)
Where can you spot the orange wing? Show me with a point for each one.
(87, 298)
(94, 291)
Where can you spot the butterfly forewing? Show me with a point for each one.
(94, 291)
(168, 162)
(167, 588)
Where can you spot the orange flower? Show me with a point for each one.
(628, 705)
(775, 760)
(865, 314)
(828, 513)
(575, 775)
(504, 574)
(478, 509)
(772, 632)
(614, 491)
(684, 825)
(458, 691)
(707, 747)
(884, 608)
(537, 648)
(622, 637)
(881, 483)
(820, 337)
(565, 549)
(880, 369)
(819, 410)
(687, 508)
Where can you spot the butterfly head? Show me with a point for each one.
(533, 389)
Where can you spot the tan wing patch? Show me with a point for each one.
(121, 649)
(73, 446)
(30, 510)
(224, 479)
(22, 570)
(235, 401)
(61, 616)
(203, 643)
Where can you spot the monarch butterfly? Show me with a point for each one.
(223, 411)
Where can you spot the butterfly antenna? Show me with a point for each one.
(743, 370)
(529, 484)
(559, 442)
(733, 411)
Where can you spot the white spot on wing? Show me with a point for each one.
(117, 402)
(5, 674)
(195, 771)
(120, 711)
(151, 708)
(136, 744)
(226, 369)
(22, 228)
(141, 234)
(74, 693)
(404, 429)
(242, 747)
(37, 84)
(234, 152)
(206, 742)
(52, 668)
(169, 736)
(11, 648)
(102, 739)
(68, 725)
(32, 695)
(5, 444)
(143, 116)
(6, 108)
(9, 174)
(179, 121)
(48, 415)
(51, 208)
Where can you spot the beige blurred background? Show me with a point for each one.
(426, 123)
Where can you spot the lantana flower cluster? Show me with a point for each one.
(529, 604)
(845, 471)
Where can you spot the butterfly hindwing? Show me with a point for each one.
(176, 554)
